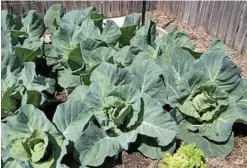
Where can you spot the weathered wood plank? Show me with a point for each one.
(27, 6)
(97, 4)
(217, 12)
(138, 7)
(49, 4)
(193, 13)
(187, 12)
(242, 30)
(134, 6)
(79, 4)
(225, 20)
(208, 16)
(38, 6)
(175, 7)
(181, 10)
(201, 14)
(106, 9)
(69, 5)
(244, 52)
(4, 6)
(17, 7)
(123, 8)
(130, 7)
(168, 7)
(233, 23)
(160, 5)
(115, 8)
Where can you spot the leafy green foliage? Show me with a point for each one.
(118, 84)
(187, 156)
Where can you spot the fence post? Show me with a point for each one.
(143, 12)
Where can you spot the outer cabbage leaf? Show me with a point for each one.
(78, 93)
(177, 63)
(101, 54)
(24, 87)
(94, 146)
(149, 81)
(74, 80)
(221, 128)
(210, 148)
(71, 118)
(132, 19)
(127, 33)
(150, 148)
(98, 20)
(156, 123)
(220, 70)
(69, 36)
(33, 24)
(27, 119)
(52, 18)
(139, 43)
(12, 163)
(108, 74)
(9, 21)
(27, 135)
(32, 81)
(124, 56)
(176, 38)
(75, 17)
(110, 33)
(242, 103)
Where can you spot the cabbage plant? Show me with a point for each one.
(29, 139)
(125, 89)
(207, 103)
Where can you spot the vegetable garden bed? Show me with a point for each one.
(99, 89)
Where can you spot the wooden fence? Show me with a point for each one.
(108, 8)
(225, 20)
